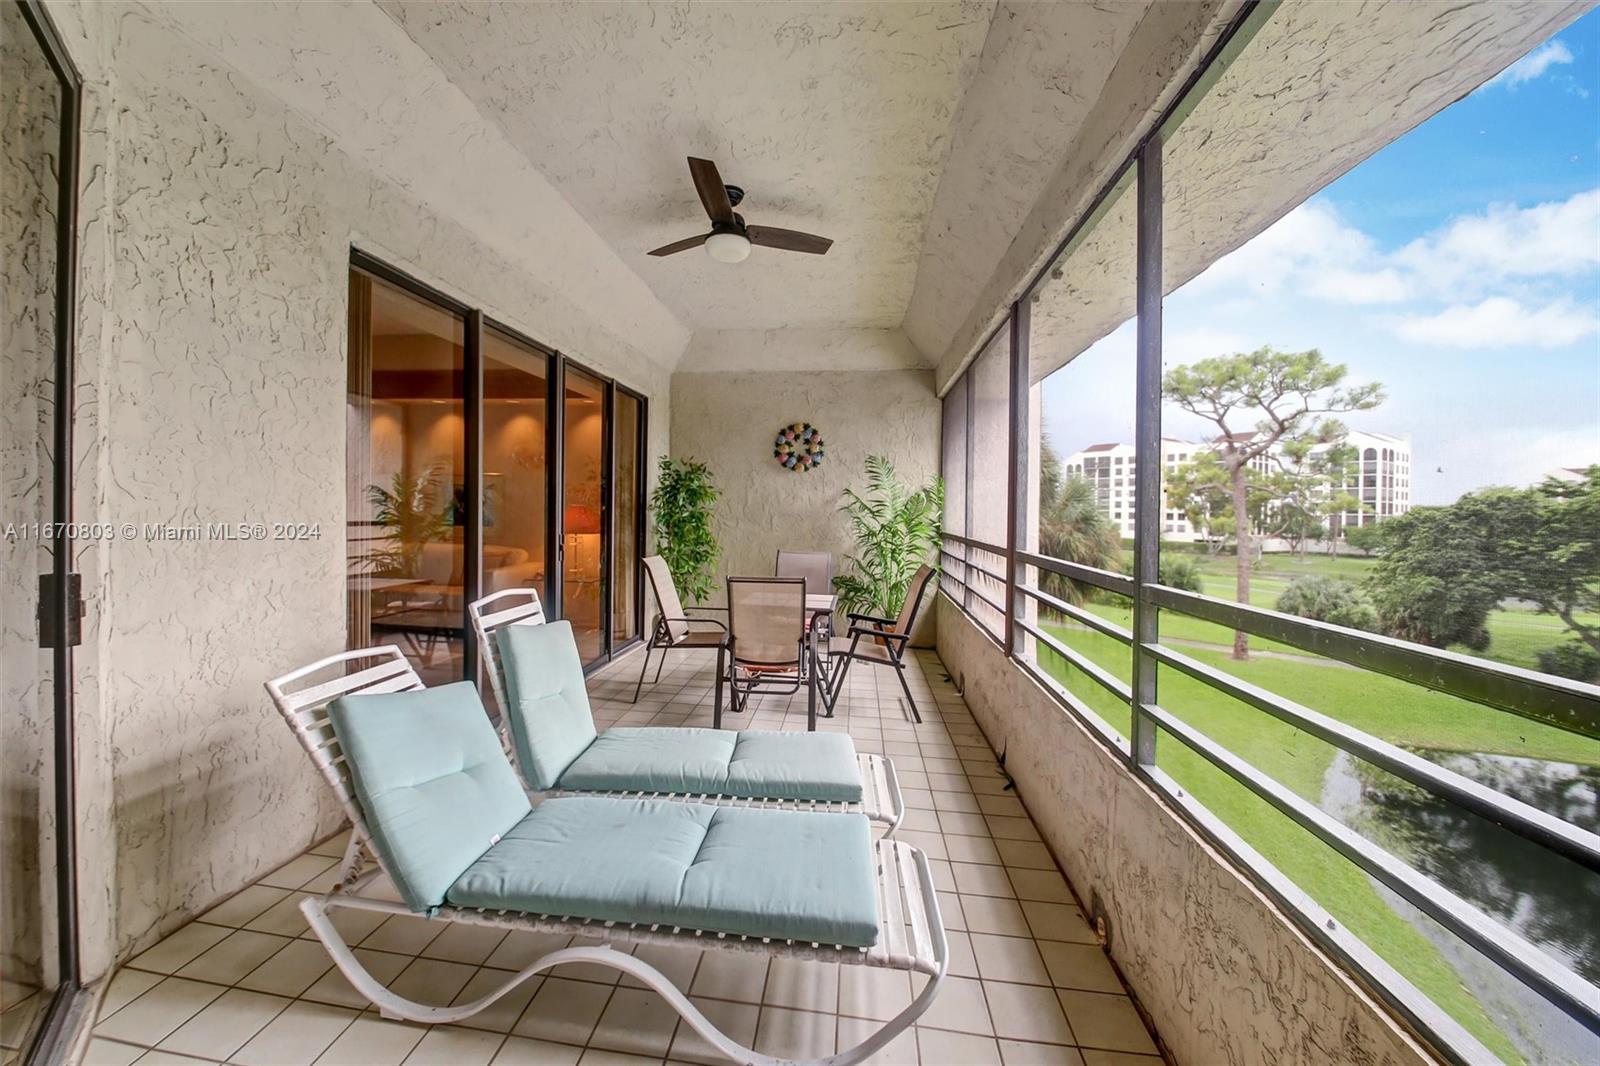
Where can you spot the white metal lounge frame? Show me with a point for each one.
(910, 929)
(881, 800)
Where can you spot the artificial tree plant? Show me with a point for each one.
(896, 530)
(682, 505)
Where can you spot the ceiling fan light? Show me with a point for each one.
(728, 247)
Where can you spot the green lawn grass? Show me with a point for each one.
(1394, 710)
(1516, 634)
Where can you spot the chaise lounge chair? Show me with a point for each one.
(432, 797)
(538, 681)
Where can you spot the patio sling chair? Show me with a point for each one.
(815, 567)
(549, 731)
(772, 646)
(432, 798)
(673, 628)
(880, 642)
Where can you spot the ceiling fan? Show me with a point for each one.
(730, 239)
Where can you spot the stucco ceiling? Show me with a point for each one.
(836, 119)
(1042, 71)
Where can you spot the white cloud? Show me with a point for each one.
(1498, 455)
(1500, 321)
(1533, 65)
(1201, 342)
(1557, 238)
(1382, 286)
(1306, 243)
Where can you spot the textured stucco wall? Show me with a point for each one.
(1225, 976)
(216, 230)
(729, 420)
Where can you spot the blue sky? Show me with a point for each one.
(1459, 266)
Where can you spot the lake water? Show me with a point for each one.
(1547, 899)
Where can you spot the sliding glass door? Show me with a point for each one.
(627, 465)
(406, 476)
(40, 604)
(453, 437)
(583, 492)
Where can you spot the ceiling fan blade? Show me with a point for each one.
(713, 193)
(789, 240)
(681, 246)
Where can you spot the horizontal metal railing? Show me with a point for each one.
(1121, 584)
(1569, 705)
(1526, 821)
(1104, 678)
(1077, 614)
(972, 591)
(1528, 963)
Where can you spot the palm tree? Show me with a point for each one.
(1072, 527)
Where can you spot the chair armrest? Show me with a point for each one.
(879, 634)
(702, 621)
(854, 617)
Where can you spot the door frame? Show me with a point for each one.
(61, 602)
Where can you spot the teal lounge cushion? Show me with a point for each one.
(755, 764)
(788, 875)
(434, 784)
(549, 715)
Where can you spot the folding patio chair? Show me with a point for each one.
(549, 732)
(772, 646)
(672, 630)
(880, 642)
(432, 798)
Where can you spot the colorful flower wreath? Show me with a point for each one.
(798, 447)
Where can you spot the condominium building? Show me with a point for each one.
(1380, 479)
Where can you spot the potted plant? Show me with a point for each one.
(896, 530)
(681, 505)
(411, 514)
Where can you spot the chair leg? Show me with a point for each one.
(659, 664)
(716, 706)
(648, 648)
(900, 672)
(838, 680)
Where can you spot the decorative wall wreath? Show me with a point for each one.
(798, 447)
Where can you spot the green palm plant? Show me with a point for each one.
(1072, 527)
(896, 530)
(410, 512)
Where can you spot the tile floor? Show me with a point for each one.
(246, 984)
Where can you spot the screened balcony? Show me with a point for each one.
(1236, 363)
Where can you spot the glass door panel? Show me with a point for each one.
(29, 918)
(406, 485)
(516, 386)
(583, 544)
(626, 515)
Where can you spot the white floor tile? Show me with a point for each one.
(520, 1051)
(448, 1045)
(371, 1041)
(232, 958)
(225, 1025)
(148, 1019)
(564, 1011)
(179, 948)
(297, 1036)
(795, 1034)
